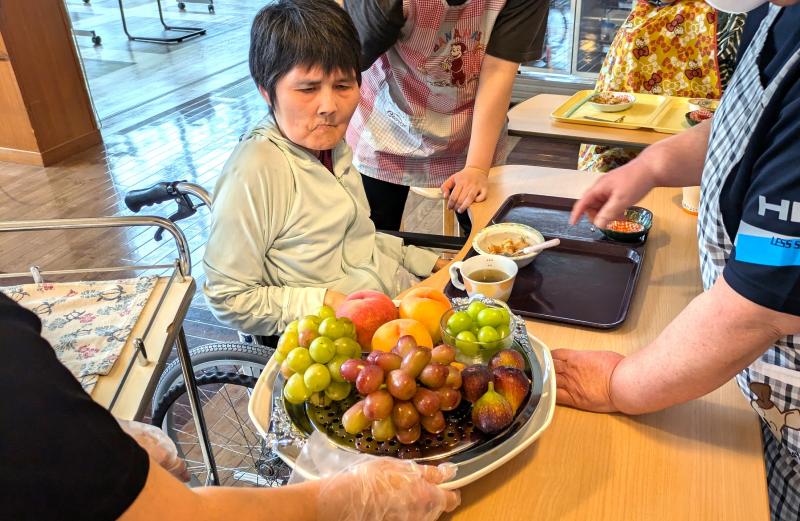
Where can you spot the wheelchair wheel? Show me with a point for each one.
(226, 374)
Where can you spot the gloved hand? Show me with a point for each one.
(387, 489)
(158, 445)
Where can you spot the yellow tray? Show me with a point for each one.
(665, 114)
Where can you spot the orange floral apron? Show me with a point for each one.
(669, 50)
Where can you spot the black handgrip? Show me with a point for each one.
(158, 193)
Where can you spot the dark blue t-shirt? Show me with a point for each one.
(760, 202)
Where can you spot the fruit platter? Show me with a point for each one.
(458, 381)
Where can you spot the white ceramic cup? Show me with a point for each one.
(498, 290)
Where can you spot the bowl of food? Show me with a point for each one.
(704, 104)
(633, 227)
(611, 101)
(477, 330)
(508, 239)
(696, 117)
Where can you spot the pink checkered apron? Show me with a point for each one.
(414, 121)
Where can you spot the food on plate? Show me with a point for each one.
(433, 375)
(508, 247)
(698, 116)
(408, 399)
(415, 361)
(368, 311)
(624, 226)
(383, 430)
(610, 98)
(386, 337)
(492, 412)
(425, 305)
(703, 103)
(443, 354)
(477, 327)
(507, 358)
(475, 380)
(354, 420)
(512, 384)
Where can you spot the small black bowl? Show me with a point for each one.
(635, 214)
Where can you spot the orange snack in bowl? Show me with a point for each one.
(425, 305)
(385, 338)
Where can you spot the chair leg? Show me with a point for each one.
(448, 220)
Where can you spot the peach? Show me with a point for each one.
(368, 310)
(425, 305)
(387, 335)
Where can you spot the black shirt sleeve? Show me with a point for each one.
(378, 23)
(62, 456)
(764, 265)
(518, 33)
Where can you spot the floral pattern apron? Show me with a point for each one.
(669, 50)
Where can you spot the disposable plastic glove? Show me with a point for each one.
(387, 489)
(360, 487)
(158, 445)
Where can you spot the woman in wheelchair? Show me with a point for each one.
(290, 219)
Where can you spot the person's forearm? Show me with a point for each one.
(678, 160)
(491, 106)
(717, 335)
(163, 494)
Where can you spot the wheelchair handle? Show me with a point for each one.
(156, 194)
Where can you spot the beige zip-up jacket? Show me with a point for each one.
(284, 229)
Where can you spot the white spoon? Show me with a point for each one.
(539, 247)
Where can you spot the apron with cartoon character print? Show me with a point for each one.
(414, 121)
(772, 382)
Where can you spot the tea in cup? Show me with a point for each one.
(489, 275)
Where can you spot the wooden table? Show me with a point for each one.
(697, 461)
(532, 118)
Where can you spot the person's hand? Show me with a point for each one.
(583, 378)
(333, 298)
(464, 187)
(613, 193)
(387, 489)
(158, 445)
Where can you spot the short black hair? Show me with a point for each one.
(288, 33)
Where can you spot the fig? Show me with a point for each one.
(353, 420)
(369, 379)
(507, 358)
(492, 412)
(434, 424)
(512, 384)
(448, 398)
(443, 354)
(383, 430)
(453, 379)
(401, 385)
(410, 435)
(434, 375)
(350, 369)
(474, 381)
(378, 405)
(404, 415)
(405, 344)
(415, 361)
(426, 402)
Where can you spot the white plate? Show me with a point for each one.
(260, 409)
(497, 233)
(619, 107)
